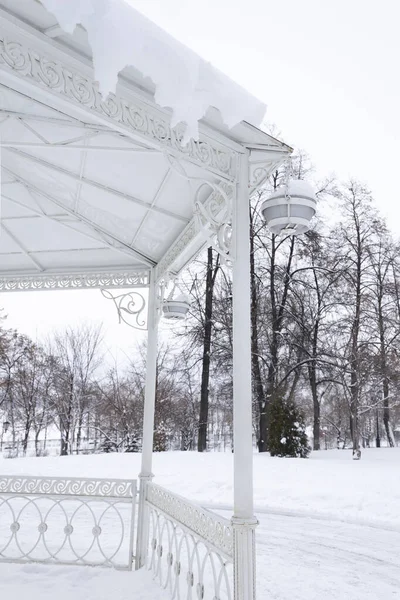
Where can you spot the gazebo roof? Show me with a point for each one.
(101, 188)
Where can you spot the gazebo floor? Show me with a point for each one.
(56, 582)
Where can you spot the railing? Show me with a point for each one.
(191, 549)
(67, 521)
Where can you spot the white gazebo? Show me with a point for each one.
(115, 192)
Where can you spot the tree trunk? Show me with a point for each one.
(278, 315)
(312, 369)
(205, 375)
(37, 433)
(79, 432)
(64, 446)
(386, 413)
(378, 434)
(312, 376)
(384, 373)
(26, 436)
(66, 427)
(255, 354)
(317, 414)
(354, 359)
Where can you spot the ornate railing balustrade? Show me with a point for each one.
(67, 521)
(191, 549)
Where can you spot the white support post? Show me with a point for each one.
(146, 474)
(243, 521)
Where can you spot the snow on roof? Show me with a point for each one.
(120, 36)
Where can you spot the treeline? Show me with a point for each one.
(325, 339)
(66, 390)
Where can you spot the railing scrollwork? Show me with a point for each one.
(67, 521)
(191, 549)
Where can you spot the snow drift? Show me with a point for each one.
(120, 36)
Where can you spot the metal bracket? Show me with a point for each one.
(130, 308)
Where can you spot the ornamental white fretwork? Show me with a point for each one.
(107, 488)
(130, 308)
(261, 169)
(214, 217)
(75, 281)
(184, 557)
(81, 90)
(214, 530)
(67, 521)
(166, 263)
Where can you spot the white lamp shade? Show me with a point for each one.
(175, 309)
(290, 209)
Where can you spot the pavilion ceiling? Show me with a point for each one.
(91, 186)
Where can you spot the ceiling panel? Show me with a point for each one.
(133, 173)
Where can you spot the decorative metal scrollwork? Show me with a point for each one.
(214, 217)
(107, 488)
(67, 521)
(215, 530)
(259, 175)
(130, 307)
(79, 89)
(191, 548)
(75, 281)
(187, 236)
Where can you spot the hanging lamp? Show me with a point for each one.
(290, 208)
(176, 308)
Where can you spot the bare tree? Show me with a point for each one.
(213, 267)
(78, 353)
(355, 236)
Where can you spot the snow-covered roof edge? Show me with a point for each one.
(120, 36)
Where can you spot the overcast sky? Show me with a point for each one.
(328, 71)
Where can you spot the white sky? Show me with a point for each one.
(328, 71)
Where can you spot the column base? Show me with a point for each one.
(142, 540)
(244, 553)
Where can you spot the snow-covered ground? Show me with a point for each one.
(51, 582)
(301, 558)
(329, 484)
(329, 526)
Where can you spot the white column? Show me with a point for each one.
(146, 474)
(243, 520)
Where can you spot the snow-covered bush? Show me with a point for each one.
(287, 436)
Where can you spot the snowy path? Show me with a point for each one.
(302, 558)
